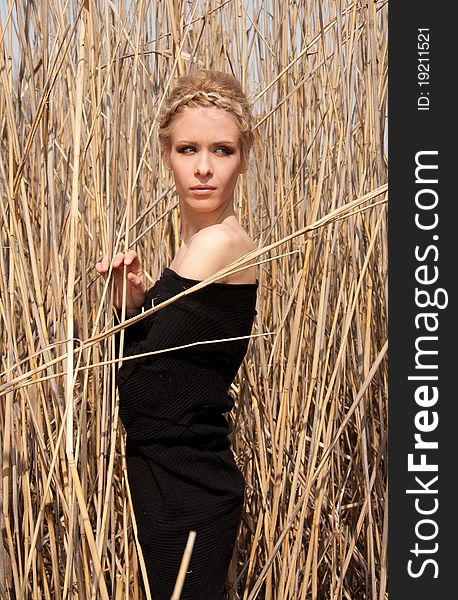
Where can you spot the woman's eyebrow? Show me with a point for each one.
(228, 142)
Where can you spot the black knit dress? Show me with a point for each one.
(181, 468)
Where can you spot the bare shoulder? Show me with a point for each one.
(216, 247)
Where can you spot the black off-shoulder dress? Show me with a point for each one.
(181, 468)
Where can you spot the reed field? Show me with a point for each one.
(81, 175)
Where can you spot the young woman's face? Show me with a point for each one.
(205, 157)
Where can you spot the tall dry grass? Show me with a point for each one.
(81, 176)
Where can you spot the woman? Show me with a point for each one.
(181, 469)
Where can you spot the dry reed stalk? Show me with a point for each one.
(183, 566)
(81, 175)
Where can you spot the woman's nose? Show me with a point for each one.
(203, 166)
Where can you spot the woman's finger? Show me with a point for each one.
(130, 256)
(135, 279)
(118, 260)
(100, 269)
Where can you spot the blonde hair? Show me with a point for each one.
(206, 87)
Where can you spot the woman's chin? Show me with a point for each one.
(203, 204)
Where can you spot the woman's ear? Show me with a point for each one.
(166, 159)
(243, 162)
(243, 166)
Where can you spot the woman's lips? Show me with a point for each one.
(203, 190)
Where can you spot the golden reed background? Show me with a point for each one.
(81, 175)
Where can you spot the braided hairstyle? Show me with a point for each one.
(206, 87)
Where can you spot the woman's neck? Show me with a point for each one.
(191, 223)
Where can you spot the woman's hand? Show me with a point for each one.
(135, 285)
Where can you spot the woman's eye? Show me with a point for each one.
(185, 149)
(224, 150)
